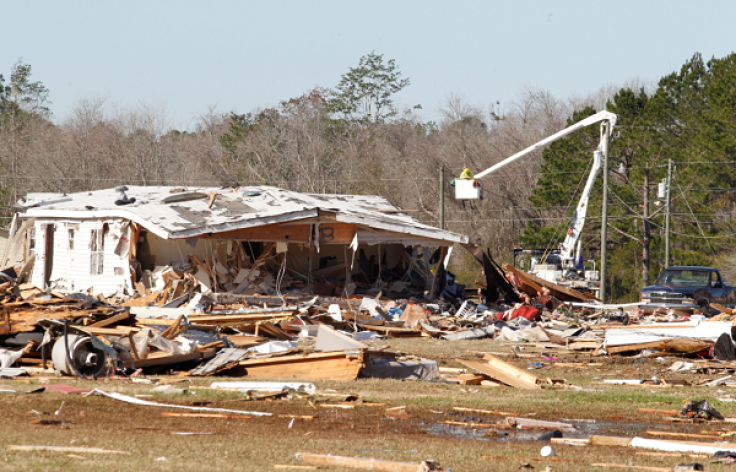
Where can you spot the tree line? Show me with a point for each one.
(354, 139)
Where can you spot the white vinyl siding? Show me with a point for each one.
(72, 258)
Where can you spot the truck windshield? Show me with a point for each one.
(696, 278)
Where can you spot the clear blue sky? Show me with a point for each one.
(240, 55)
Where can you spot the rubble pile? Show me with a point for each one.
(269, 324)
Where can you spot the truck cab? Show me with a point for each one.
(688, 287)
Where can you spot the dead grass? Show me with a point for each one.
(257, 444)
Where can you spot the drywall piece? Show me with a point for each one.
(242, 275)
(204, 280)
(330, 340)
(681, 446)
(335, 312)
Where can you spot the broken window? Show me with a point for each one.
(97, 250)
(31, 241)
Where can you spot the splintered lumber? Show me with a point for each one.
(503, 371)
(23, 316)
(112, 320)
(357, 463)
(203, 415)
(527, 286)
(88, 450)
(313, 366)
(563, 293)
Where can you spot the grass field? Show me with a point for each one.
(150, 441)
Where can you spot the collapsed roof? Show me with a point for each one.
(188, 212)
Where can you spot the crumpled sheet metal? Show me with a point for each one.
(389, 368)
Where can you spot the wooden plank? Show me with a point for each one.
(392, 331)
(116, 331)
(531, 423)
(685, 346)
(533, 459)
(170, 414)
(503, 371)
(631, 466)
(669, 454)
(583, 345)
(174, 329)
(684, 435)
(358, 463)
(87, 450)
(169, 359)
(111, 320)
(324, 366)
(246, 341)
(660, 412)
(595, 440)
(471, 379)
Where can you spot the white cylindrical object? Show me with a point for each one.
(547, 451)
(88, 360)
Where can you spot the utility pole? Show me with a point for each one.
(442, 197)
(667, 210)
(604, 210)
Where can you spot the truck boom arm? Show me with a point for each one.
(578, 218)
(600, 116)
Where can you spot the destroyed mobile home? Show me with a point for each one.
(267, 283)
